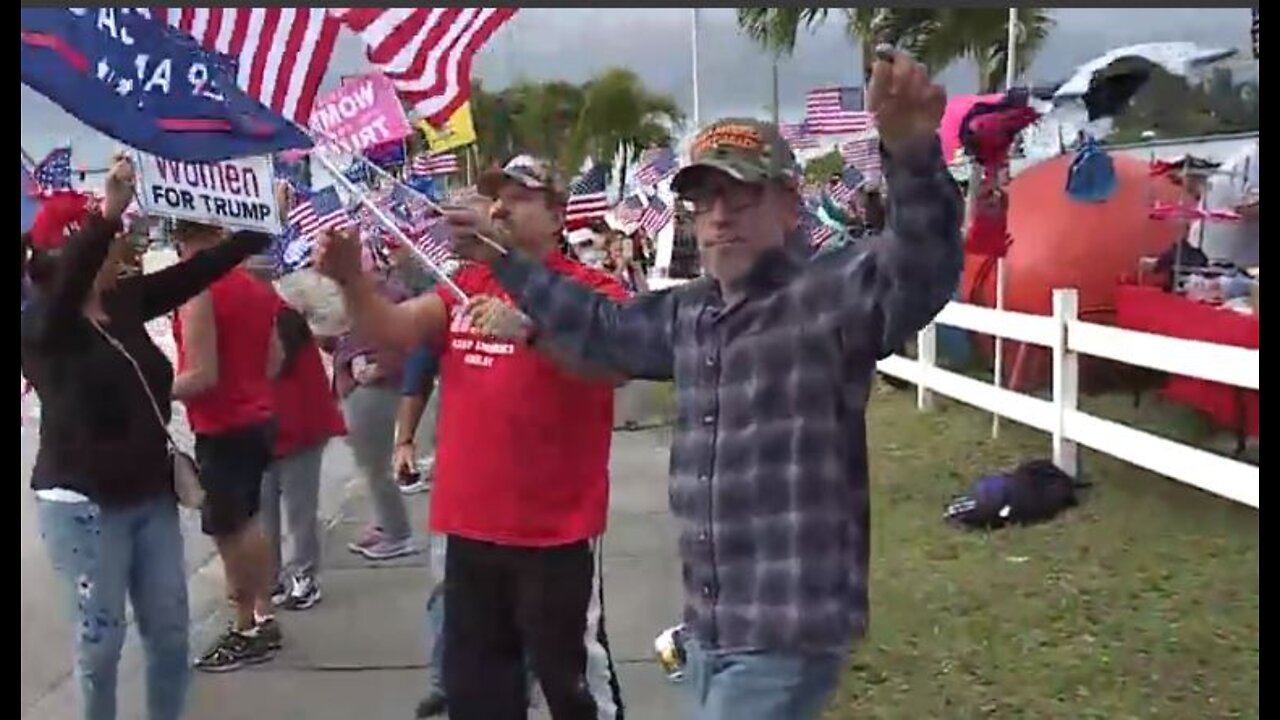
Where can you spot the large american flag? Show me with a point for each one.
(53, 173)
(656, 165)
(587, 197)
(425, 52)
(798, 136)
(322, 211)
(427, 165)
(281, 54)
(863, 153)
(656, 216)
(835, 111)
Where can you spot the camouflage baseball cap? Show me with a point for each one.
(531, 172)
(748, 150)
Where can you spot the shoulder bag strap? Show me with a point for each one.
(155, 406)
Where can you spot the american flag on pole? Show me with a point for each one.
(587, 197)
(630, 210)
(322, 211)
(428, 165)
(863, 153)
(835, 111)
(433, 241)
(656, 165)
(843, 189)
(281, 54)
(798, 136)
(815, 230)
(53, 173)
(425, 52)
(656, 216)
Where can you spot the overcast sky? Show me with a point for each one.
(574, 44)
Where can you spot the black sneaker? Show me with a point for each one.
(432, 705)
(304, 595)
(269, 632)
(235, 650)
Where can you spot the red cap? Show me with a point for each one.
(58, 214)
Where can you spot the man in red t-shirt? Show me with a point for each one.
(521, 476)
(228, 355)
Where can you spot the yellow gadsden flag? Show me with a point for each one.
(455, 133)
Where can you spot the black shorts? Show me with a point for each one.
(231, 468)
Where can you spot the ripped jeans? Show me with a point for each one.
(101, 556)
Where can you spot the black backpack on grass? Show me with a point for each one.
(1035, 492)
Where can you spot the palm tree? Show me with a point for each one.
(982, 35)
(620, 118)
(936, 36)
(776, 29)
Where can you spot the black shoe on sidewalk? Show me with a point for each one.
(269, 631)
(235, 650)
(432, 705)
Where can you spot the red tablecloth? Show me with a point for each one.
(1154, 311)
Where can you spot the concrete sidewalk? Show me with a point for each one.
(360, 654)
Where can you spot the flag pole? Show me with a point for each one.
(435, 206)
(697, 114)
(386, 222)
(1010, 71)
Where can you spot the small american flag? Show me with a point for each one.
(656, 216)
(656, 165)
(53, 173)
(434, 241)
(322, 211)
(428, 165)
(630, 210)
(587, 197)
(798, 136)
(843, 189)
(290, 252)
(864, 154)
(835, 111)
(358, 173)
(817, 231)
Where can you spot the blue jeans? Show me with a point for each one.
(758, 685)
(102, 555)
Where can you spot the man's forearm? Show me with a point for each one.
(409, 416)
(566, 361)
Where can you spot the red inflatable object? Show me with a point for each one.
(1060, 243)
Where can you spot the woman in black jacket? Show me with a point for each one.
(103, 475)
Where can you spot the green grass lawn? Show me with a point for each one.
(1141, 603)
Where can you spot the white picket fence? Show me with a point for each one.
(1067, 338)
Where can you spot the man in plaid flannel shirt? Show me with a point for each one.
(773, 359)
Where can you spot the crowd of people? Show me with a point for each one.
(772, 357)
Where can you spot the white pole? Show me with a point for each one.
(387, 222)
(1009, 72)
(697, 114)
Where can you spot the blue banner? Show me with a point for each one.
(148, 85)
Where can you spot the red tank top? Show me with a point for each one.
(307, 412)
(244, 311)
